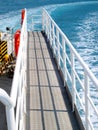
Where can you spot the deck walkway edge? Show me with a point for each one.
(48, 105)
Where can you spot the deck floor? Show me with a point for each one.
(48, 107)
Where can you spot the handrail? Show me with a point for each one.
(36, 22)
(5, 99)
(16, 102)
(20, 59)
(67, 59)
(19, 79)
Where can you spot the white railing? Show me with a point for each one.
(76, 73)
(37, 22)
(16, 103)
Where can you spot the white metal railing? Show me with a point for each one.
(36, 22)
(68, 61)
(16, 103)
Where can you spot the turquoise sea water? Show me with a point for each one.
(78, 19)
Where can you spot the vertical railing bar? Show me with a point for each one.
(50, 33)
(58, 48)
(42, 20)
(10, 118)
(53, 40)
(17, 111)
(48, 26)
(86, 85)
(64, 61)
(25, 88)
(73, 80)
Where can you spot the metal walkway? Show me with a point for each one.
(48, 107)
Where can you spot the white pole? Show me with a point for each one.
(86, 84)
(50, 33)
(10, 118)
(6, 100)
(73, 81)
(58, 47)
(64, 60)
(53, 40)
(48, 27)
(43, 21)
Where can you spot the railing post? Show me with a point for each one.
(6, 100)
(25, 86)
(47, 28)
(64, 60)
(86, 84)
(10, 118)
(46, 17)
(58, 48)
(73, 81)
(53, 40)
(50, 34)
(43, 20)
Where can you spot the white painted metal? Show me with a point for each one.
(36, 21)
(64, 60)
(56, 43)
(86, 85)
(7, 101)
(58, 48)
(73, 80)
(16, 100)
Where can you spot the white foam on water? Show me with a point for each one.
(87, 46)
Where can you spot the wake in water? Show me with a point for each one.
(79, 21)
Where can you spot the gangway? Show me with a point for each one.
(48, 107)
(44, 94)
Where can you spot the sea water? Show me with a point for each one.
(77, 19)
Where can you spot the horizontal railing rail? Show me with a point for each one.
(18, 91)
(36, 22)
(78, 77)
(16, 103)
